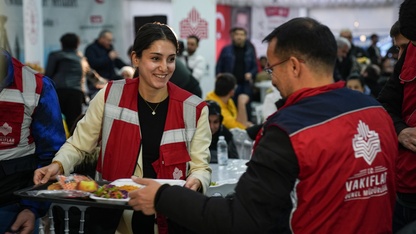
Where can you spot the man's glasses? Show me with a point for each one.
(269, 69)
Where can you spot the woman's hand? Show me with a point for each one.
(193, 183)
(42, 175)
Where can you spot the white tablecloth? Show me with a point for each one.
(229, 173)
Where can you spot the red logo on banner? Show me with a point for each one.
(194, 25)
(99, 1)
(96, 19)
(277, 11)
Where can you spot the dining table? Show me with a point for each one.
(224, 178)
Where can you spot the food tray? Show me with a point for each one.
(37, 193)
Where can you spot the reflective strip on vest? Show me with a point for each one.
(30, 99)
(114, 112)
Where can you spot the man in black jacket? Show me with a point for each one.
(103, 58)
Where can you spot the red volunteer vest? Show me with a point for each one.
(18, 102)
(121, 132)
(346, 152)
(406, 162)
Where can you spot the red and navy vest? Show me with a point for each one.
(346, 148)
(17, 104)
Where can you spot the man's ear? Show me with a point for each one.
(295, 66)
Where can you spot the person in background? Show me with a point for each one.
(218, 129)
(355, 51)
(355, 82)
(194, 62)
(399, 41)
(239, 58)
(283, 190)
(373, 50)
(64, 67)
(127, 72)
(183, 77)
(103, 58)
(397, 97)
(343, 47)
(140, 123)
(269, 104)
(224, 91)
(31, 131)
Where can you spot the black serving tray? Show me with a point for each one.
(30, 194)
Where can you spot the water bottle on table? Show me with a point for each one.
(222, 151)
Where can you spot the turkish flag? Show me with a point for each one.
(223, 27)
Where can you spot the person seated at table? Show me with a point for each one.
(218, 129)
(140, 123)
(223, 93)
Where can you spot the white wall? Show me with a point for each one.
(140, 8)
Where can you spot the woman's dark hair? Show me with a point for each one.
(307, 39)
(224, 83)
(69, 41)
(151, 32)
(214, 108)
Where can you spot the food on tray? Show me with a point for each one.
(128, 188)
(114, 192)
(87, 186)
(74, 182)
(55, 186)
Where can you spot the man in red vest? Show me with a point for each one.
(399, 100)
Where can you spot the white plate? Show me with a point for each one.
(171, 182)
(121, 182)
(110, 200)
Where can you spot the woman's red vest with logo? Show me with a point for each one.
(121, 137)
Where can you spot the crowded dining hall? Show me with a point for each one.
(226, 116)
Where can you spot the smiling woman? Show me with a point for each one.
(137, 121)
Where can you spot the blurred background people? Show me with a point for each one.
(223, 93)
(239, 58)
(127, 72)
(194, 62)
(64, 67)
(355, 82)
(373, 50)
(103, 58)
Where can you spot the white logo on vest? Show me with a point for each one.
(366, 143)
(177, 174)
(5, 130)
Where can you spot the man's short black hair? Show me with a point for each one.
(224, 83)
(307, 39)
(69, 41)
